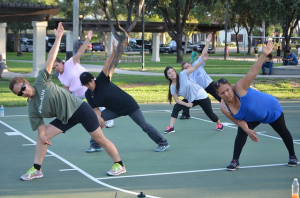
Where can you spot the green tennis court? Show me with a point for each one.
(193, 166)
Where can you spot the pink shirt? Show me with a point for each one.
(70, 77)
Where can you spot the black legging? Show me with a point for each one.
(205, 104)
(209, 89)
(279, 126)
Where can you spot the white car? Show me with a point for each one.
(27, 45)
(173, 46)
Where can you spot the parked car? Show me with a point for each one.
(163, 48)
(88, 48)
(50, 42)
(23, 44)
(200, 47)
(139, 42)
(133, 46)
(29, 45)
(98, 47)
(173, 46)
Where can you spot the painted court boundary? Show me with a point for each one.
(97, 180)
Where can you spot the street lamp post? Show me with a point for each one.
(81, 16)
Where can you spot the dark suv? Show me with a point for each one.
(147, 44)
(50, 42)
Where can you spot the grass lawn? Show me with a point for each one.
(154, 89)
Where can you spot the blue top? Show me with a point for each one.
(257, 107)
(295, 59)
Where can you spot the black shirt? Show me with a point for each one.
(110, 96)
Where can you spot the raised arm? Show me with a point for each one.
(204, 56)
(108, 61)
(76, 58)
(243, 84)
(55, 47)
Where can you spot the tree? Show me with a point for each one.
(122, 35)
(175, 14)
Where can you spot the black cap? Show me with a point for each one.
(86, 77)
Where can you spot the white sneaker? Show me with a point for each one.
(110, 123)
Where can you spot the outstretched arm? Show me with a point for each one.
(107, 63)
(243, 84)
(55, 47)
(76, 58)
(204, 56)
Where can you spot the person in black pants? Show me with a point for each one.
(103, 93)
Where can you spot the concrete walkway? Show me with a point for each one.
(98, 68)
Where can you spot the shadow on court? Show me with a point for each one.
(193, 166)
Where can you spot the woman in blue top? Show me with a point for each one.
(247, 108)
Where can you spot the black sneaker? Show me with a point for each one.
(264, 74)
(234, 164)
(293, 161)
(183, 117)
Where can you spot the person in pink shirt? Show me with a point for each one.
(69, 73)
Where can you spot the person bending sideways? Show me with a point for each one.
(103, 93)
(247, 108)
(47, 100)
(182, 85)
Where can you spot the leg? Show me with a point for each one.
(292, 63)
(174, 115)
(2, 66)
(270, 67)
(186, 111)
(139, 119)
(205, 104)
(106, 115)
(212, 91)
(263, 68)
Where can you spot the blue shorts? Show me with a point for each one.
(84, 115)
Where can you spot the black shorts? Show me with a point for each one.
(84, 115)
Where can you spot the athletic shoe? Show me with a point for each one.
(293, 161)
(169, 130)
(32, 173)
(161, 148)
(116, 169)
(219, 127)
(109, 123)
(234, 164)
(92, 149)
(183, 117)
(263, 73)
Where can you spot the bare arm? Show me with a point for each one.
(55, 47)
(76, 58)
(54, 50)
(204, 56)
(100, 119)
(242, 124)
(178, 101)
(107, 63)
(243, 84)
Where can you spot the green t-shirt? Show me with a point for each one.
(193, 57)
(50, 101)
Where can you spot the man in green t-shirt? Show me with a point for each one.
(48, 100)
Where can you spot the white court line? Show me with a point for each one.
(67, 170)
(193, 171)
(28, 144)
(75, 167)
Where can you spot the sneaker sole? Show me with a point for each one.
(292, 165)
(97, 150)
(36, 177)
(169, 132)
(162, 150)
(124, 171)
(219, 129)
(233, 169)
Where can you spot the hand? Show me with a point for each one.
(208, 38)
(266, 50)
(45, 140)
(59, 31)
(252, 135)
(189, 105)
(89, 35)
(102, 123)
(114, 46)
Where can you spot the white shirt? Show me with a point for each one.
(200, 76)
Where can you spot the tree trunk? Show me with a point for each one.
(179, 49)
(237, 42)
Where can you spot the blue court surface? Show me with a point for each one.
(193, 166)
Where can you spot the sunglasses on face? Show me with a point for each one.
(221, 81)
(22, 89)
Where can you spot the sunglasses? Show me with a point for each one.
(221, 81)
(22, 89)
